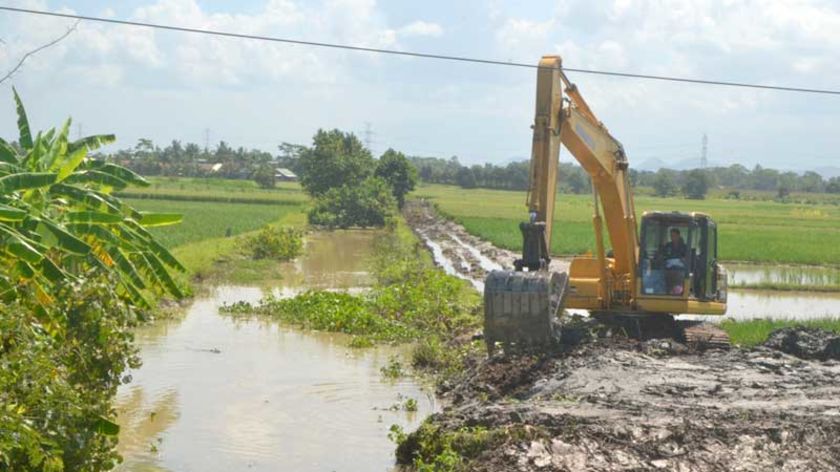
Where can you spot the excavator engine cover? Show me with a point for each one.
(521, 309)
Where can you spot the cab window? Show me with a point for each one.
(668, 249)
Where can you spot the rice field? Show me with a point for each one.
(755, 231)
(203, 220)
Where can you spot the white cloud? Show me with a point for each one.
(421, 28)
(518, 35)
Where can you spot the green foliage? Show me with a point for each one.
(278, 243)
(665, 184)
(336, 159)
(410, 405)
(754, 332)
(58, 375)
(696, 184)
(333, 311)
(60, 222)
(369, 203)
(395, 169)
(431, 448)
(74, 263)
(393, 370)
(264, 176)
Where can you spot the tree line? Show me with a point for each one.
(692, 183)
(191, 160)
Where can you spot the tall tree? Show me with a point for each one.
(665, 183)
(696, 184)
(335, 159)
(393, 167)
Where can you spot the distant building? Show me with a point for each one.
(209, 167)
(285, 175)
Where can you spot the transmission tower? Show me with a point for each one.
(368, 134)
(704, 153)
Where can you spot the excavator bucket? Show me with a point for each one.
(521, 309)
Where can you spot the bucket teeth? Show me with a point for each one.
(521, 309)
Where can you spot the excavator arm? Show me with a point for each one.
(572, 123)
(532, 290)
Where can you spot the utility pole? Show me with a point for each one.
(704, 153)
(206, 140)
(79, 130)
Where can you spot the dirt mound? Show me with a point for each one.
(805, 343)
(618, 404)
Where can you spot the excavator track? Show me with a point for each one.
(521, 309)
(697, 335)
(701, 335)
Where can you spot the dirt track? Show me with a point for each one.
(613, 404)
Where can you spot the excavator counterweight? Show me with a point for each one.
(668, 268)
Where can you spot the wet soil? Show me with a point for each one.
(458, 252)
(618, 404)
(612, 403)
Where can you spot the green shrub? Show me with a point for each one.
(280, 243)
(58, 375)
(369, 204)
(333, 311)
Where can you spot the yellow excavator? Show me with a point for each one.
(668, 266)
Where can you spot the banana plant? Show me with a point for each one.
(60, 222)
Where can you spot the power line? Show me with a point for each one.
(420, 54)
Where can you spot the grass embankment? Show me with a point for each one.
(411, 301)
(754, 332)
(209, 240)
(755, 231)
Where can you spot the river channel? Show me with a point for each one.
(222, 394)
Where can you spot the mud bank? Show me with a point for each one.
(615, 405)
(610, 404)
(455, 250)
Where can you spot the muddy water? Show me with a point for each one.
(740, 274)
(749, 304)
(221, 394)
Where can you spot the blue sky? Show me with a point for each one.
(163, 85)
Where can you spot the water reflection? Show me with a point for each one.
(219, 394)
(740, 274)
(749, 304)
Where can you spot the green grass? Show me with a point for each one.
(754, 332)
(756, 231)
(203, 220)
(207, 241)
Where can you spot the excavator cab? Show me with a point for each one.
(678, 258)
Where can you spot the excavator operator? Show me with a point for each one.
(674, 252)
(676, 248)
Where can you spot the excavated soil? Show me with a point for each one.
(614, 404)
